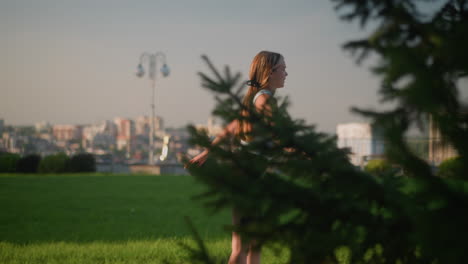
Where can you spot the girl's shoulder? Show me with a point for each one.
(261, 100)
(264, 101)
(263, 95)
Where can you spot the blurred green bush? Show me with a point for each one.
(55, 163)
(28, 163)
(8, 162)
(451, 168)
(378, 167)
(83, 162)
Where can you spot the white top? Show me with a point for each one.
(260, 93)
(243, 142)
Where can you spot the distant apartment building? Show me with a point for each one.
(143, 125)
(43, 127)
(9, 142)
(439, 148)
(14, 142)
(125, 133)
(211, 128)
(362, 139)
(99, 136)
(67, 132)
(2, 143)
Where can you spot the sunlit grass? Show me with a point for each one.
(98, 218)
(141, 251)
(84, 208)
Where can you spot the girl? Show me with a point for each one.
(267, 73)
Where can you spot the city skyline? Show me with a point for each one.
(211, 119)
(75, 62)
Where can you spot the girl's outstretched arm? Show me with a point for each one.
(229, 130)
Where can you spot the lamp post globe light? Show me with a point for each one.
(152, 59)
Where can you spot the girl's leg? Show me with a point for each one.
(238, 253)
(253, 256)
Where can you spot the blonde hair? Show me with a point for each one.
(259, 75)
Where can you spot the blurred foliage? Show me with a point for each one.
(8, 162)
(451, 168)
(55, 163)
(60, 163)
(82, 162)
(29, 163)
(378, 167)
(312, 200)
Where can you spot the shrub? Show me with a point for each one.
(28, 164)
(451, 168)
(378, 167)
(83, 162)
(8, 162)
(55, 163)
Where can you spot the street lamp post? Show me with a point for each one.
(152, 59)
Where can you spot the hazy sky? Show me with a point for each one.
(74, 62)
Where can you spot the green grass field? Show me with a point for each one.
(97, 218)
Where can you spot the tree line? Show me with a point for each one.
(54, 163)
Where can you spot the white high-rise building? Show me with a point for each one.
(364, 141)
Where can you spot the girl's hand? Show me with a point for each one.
(198, 160)
(289, 150)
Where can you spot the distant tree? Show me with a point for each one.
(8, 162)
(29, 163)
(313, 201)
(55, 163)
(83, 162)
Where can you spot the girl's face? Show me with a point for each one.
(278, 75)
